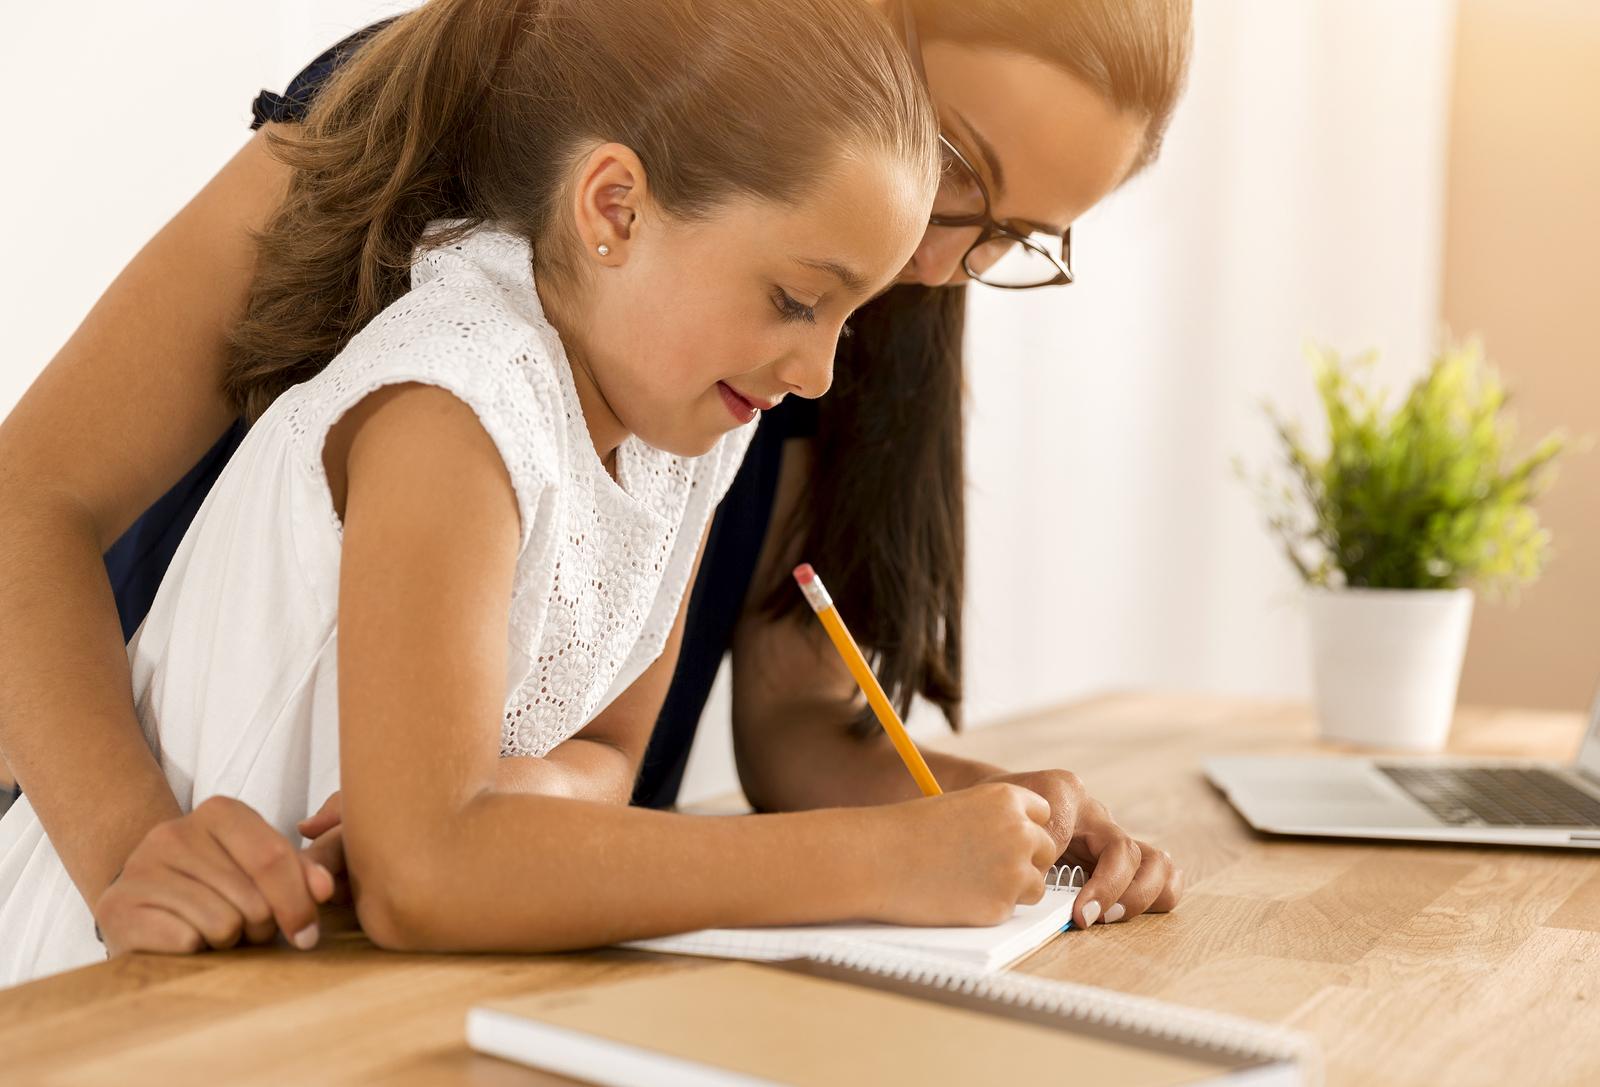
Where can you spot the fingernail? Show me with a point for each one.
(1115, 913)
(306, 938)
(1090, 913)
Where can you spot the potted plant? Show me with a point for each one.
(1393, 527)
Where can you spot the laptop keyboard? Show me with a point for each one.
(1496, 796)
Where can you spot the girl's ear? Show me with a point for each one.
(607, 199)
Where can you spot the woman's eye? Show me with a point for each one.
(792, 310)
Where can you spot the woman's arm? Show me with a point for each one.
(794, 704)
(439, 858)
(120, 414)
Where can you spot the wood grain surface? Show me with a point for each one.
(1414, 965)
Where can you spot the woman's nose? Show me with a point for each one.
(937, 261)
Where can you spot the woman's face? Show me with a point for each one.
(1044, 142)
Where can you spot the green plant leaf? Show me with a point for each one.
(1428, 496)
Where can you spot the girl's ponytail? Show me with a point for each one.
(373, 163)
(472, 110)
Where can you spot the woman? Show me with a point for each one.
(1047, 107)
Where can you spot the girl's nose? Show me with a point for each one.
(937, 261)
(808, 370)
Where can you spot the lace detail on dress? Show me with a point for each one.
(609, 569)
(460, 328)
(591, 591)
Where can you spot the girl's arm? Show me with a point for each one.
(794, 703)
(181, 891)
(440, 859)
(120, 414)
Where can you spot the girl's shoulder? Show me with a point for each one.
(471, 325)
(473, 305)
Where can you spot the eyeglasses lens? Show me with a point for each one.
(1005, 262)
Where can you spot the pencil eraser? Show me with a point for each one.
(811, 588)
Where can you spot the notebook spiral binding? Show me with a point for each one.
(1064, 877)
(1217, 1031)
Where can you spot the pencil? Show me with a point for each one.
(822, 604)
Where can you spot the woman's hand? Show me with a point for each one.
(326, 832)
(964, 858)
(213, 877)
(1126, 877)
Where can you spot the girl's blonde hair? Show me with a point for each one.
(477, 110)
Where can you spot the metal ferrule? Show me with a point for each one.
(816, 595)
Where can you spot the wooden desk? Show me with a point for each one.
(1423, 965)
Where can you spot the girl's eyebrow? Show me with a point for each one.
(853, 281)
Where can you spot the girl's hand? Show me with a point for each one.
(965, 858)
(209, 879)
(1126, 877)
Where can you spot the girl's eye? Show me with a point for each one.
(791, 310)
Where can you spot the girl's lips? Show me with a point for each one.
(743, 408)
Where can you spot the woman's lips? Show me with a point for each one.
(743, 407)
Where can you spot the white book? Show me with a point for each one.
(989, 948)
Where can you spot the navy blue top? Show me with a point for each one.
(137, 562)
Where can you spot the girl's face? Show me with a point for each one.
(685, 330)
(1046, 144)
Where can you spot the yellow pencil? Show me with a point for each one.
(822, 604)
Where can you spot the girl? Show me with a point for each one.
(701, 215)
(1048, 103)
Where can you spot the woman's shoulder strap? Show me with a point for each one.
(296, 99)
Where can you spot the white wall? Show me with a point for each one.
(1299, 195)
(116, 114)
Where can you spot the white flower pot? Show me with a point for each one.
(1386, 664)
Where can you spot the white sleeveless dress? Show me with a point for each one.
(234, 669)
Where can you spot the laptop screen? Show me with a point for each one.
(1589, 753)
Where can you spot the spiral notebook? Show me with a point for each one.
(988, 948)
(858, 1014)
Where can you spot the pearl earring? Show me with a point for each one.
(604, 250)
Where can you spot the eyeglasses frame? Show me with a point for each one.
(990, 228)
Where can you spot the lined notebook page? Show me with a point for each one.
(989, 948)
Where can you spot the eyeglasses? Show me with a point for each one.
(1001, 256)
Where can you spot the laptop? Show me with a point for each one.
(1497, 801)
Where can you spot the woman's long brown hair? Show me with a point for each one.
(884, 515)
(477, 110)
